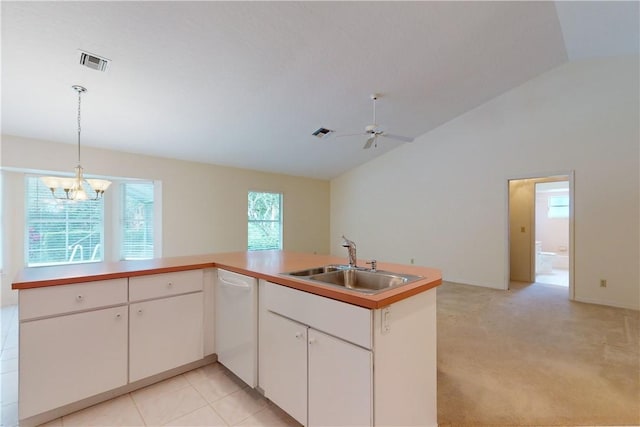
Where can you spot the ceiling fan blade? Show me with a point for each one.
(398, 137)
(367, 144)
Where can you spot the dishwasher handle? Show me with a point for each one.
(241, 285)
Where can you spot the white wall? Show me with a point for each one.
(443, 199)
(204, 206)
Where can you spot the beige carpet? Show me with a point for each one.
(529, 356)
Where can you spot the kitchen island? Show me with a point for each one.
(117, 317)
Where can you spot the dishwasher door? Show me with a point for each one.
(236, 324)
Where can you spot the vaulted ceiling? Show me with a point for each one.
(246, 83)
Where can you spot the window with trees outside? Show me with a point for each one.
(137, 220)
(68, 232)
(61, 231)
(265, 221)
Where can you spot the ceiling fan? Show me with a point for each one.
(373, 131)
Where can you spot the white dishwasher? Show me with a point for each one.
(236, 324)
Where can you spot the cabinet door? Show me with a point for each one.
(340, 382)
(68, 358)
(283, 364)
(164, 334)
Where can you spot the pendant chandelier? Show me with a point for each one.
(75, 188)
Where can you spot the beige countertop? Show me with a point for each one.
(261, 264)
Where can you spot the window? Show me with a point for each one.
(137, 224)
(265, 221)
(558, 207)
(60, 231)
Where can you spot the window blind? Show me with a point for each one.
(137, 214)
(61, 231)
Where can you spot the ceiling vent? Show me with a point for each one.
(322, 132)
(94, 62)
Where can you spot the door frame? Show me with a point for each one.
(570, 176)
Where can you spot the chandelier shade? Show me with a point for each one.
(76, 188)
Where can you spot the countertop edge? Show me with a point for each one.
(239, 262)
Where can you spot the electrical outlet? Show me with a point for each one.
(603, 283)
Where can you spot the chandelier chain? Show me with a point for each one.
(79, 129)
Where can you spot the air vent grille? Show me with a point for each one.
(322, 132)
(92, 61)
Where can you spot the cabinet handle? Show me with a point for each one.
(79, 297)
(298, 335)
(118, 315)
(139, 311)
(169, 285)
(312, 341)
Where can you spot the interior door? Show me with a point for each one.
(521, 230)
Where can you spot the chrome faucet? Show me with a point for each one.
(351, 247)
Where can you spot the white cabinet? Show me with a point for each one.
(80, 342)
(165, 332)
(317, 378)
(283, 364)
(165, 284)
(56, 300)
(340, 382)
(68, 358)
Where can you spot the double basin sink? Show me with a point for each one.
(355, 278)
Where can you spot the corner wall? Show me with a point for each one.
(443, 199)
(204, 207)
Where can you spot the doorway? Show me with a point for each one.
(552, 232)
(540, 230)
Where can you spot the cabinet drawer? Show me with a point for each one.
(337, 318)
(165, 284)
(53, 300)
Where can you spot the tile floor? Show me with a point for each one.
(207, 396)
(558, 277)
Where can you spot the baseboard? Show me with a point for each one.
(607, 303)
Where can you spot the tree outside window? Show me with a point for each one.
(61, 231)
(264, 221)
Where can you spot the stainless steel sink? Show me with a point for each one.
(364, 280)
(357, 279)
(318, 270)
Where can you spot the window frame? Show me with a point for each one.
(28, 234)
(112, 220)
(121, 207)
(558, 206)
(279, 221)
